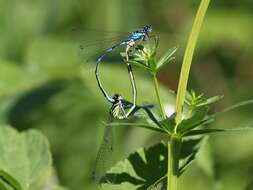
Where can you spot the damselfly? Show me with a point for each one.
(103, 159)
(120, 108)
(105, 153)
(129, 42)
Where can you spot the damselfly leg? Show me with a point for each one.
(131, 77)
(131, 44)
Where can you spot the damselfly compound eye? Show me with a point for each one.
(147, 28)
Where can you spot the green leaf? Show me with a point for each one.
(141, 169)
(210, 100)
(189, 149)
(205, 121)
(137, 61)
(230, 108)
(143, 56)
(159, 184)
(203, 131)
(140, 64)
(2, 185)
(14, 79)
(195, 101)
(141, 125)
(166, 57)
(147, 167)
(219, 130)
(204, 159)
(197, 119)
(151, 116)
(26, 157)
(169, 123)
(11, 181)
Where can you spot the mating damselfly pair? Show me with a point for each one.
(130, 42)
(120, 108)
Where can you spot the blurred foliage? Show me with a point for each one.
(44, 84)
(30, 165)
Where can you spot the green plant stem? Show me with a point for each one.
(191, 44)
(158, 96)
(174, 147)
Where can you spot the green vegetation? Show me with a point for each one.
(52, 113)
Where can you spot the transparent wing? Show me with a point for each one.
(104, 157)
(118, 111)
(98, 41)
(90, 50)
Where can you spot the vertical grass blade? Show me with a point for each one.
(173, 148)
(191, 44)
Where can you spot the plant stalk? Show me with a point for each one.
(191, 44)
(175, 143)
(174, 148)
(158, 96)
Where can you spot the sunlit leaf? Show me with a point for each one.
(210, 100)
(27, 151)
(147, 167)
(166, 58)
(197, 119)
(141, 168)
(195, 101)
(140, 64)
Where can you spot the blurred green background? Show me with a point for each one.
(45, 83)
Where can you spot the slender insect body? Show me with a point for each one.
(118, 108)
(137, 36)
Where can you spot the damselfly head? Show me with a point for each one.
(117, 97)
(147, 29)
